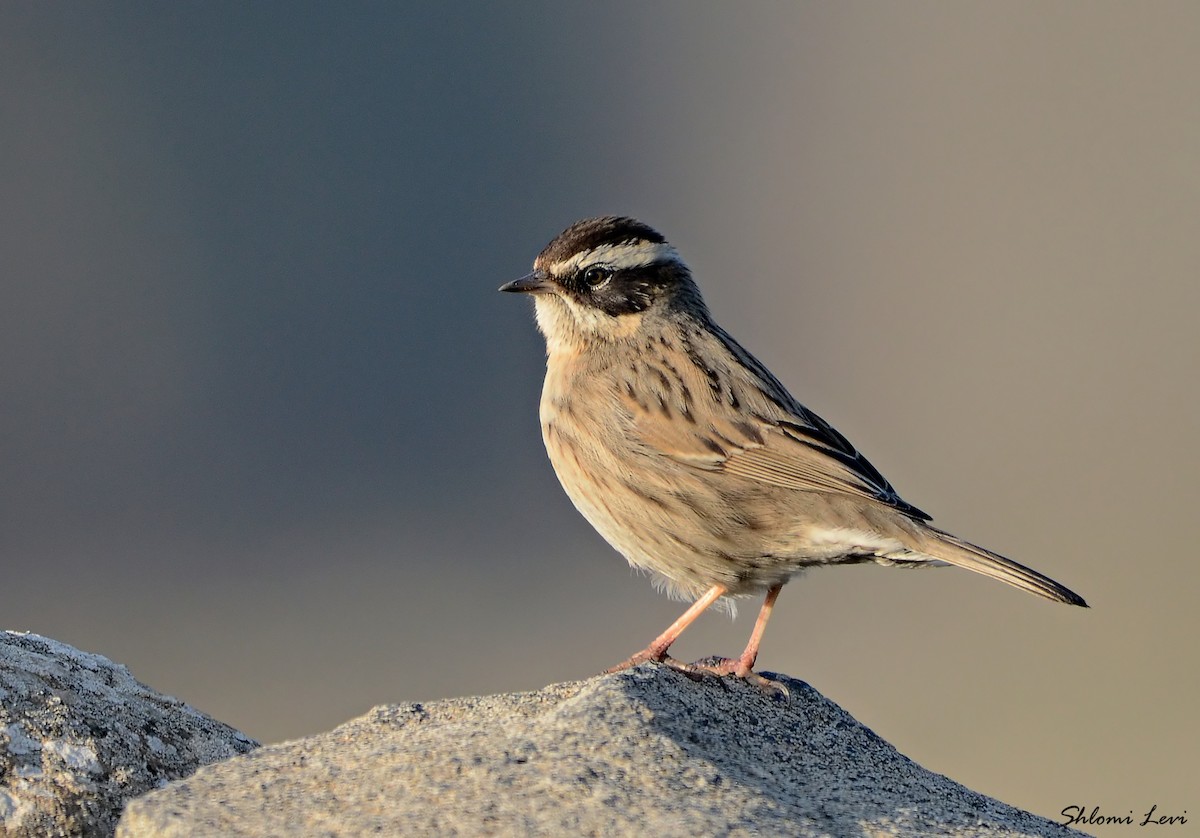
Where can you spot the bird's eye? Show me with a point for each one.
(596, 276)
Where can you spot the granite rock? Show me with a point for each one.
(79, 736)
(643, 752)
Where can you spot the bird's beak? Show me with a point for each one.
(532, 283)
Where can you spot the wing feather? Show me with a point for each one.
(738, 419)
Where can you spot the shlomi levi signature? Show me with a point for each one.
(1075, 815)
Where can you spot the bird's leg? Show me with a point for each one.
(743, 667)
(657, 650)
(746, 662)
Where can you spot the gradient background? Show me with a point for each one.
(269, 437)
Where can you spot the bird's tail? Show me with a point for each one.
(954, 550)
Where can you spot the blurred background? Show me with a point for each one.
(269, 436)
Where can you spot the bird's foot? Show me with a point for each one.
(722, 667)
(653, 655)
(641, 657)
(706, 668)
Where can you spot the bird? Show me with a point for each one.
(691, 459)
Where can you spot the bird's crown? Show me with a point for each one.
(614, 242)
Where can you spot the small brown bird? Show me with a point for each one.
(690, 458)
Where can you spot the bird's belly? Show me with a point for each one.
(656, 514)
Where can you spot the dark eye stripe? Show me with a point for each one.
(624, 291)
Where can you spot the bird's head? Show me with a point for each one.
(604, 280)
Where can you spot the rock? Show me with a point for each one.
(79, 736)
(643, 752)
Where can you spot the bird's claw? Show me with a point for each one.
(722, 667)
(706, 668)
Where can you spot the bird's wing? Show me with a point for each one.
(731, 415)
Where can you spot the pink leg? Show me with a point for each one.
(657, 650)
(746, 661)
(743, 667)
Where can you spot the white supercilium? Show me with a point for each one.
(618, 257)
